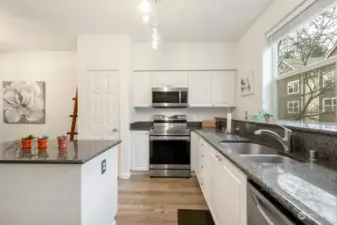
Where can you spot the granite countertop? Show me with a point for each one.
(77, 152)
(307, 190)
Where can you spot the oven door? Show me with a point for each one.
(170, 152)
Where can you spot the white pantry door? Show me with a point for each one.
(102, 104)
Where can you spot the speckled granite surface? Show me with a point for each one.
(307, 190)
(77, 152)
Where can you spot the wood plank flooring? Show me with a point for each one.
(154, 201)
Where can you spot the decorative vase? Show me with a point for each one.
(26, 144)
(62, 144)
(42, 144)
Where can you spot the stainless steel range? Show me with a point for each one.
(170, 147)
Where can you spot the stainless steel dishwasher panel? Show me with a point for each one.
(261, 211)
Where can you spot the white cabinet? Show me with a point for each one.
(178, 79)
(160, 79)
(169, 79)
(140, 151)
(199, 89)
(142, 89)
(224, 186)
(223, 88)
(205, 88)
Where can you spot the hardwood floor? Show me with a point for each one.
(154, 201)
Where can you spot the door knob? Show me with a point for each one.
(115, 130)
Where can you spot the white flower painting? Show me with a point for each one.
(24, 102)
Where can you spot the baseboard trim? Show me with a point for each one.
(125, 176)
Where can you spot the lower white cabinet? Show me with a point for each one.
(140, 151)
(224, 186)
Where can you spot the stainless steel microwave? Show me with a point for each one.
(169, 97)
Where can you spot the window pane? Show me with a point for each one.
(314, 44)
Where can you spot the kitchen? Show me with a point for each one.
(184, 88)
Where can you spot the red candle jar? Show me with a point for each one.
(62, 144)
(42, 144)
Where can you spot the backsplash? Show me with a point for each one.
(325, 143)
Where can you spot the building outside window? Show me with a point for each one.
(293, 87)
(306, 62)
(293, 107)
(329, 104)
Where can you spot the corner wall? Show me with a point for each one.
(57, 69)
(251, 52)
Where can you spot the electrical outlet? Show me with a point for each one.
(103, 166)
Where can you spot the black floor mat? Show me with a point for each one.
(194, 217)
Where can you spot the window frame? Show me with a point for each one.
(291, 83)
(332, 104)
(293, 107)
(328, 77)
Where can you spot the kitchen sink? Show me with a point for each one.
(249, 149)
(275, 159)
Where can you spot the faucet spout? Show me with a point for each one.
(285, 141)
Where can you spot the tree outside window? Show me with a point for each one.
(306, 70)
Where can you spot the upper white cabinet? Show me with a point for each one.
(178, 79)
(142, 89)
(223, 88)
(160, 79)
(169, 79)
(140, 151)
(199, 89)
(205, 88)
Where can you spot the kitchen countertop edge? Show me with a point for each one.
(284, 201)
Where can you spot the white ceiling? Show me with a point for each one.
(54, 24)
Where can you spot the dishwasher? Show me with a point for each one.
(262, 210)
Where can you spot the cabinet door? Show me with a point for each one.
(199, 85)
(178, 79)
(140, 151)
(142, 89)
(160, 79)
(230, 205)
(223, 88)
(194, 151)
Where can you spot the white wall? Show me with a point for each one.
(107, 52)
(252, 48)
(57, 69)
(193, 114)
(184, 56)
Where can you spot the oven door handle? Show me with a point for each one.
(169, 138)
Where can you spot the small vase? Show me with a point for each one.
(42, 144)
(26, 144)
(62, 144)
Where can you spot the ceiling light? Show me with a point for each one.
(155, 35)
(145, 7)
(146, 18)
(155, 44)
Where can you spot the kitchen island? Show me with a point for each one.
(76, 186)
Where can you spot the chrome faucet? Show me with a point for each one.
(285, 141)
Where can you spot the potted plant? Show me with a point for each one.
(267, 117)
(42, 142)
(62, 141)
(26, 142)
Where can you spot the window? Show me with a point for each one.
(293, 107)
(306, 65)
(293, 87)
(329, 79)
(329, 104)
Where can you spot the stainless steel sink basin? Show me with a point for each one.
(249, 149)
(275, 159)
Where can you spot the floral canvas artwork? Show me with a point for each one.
(24, 102)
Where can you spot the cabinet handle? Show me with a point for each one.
(202, 155)
(202, 167)
(219, 158)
